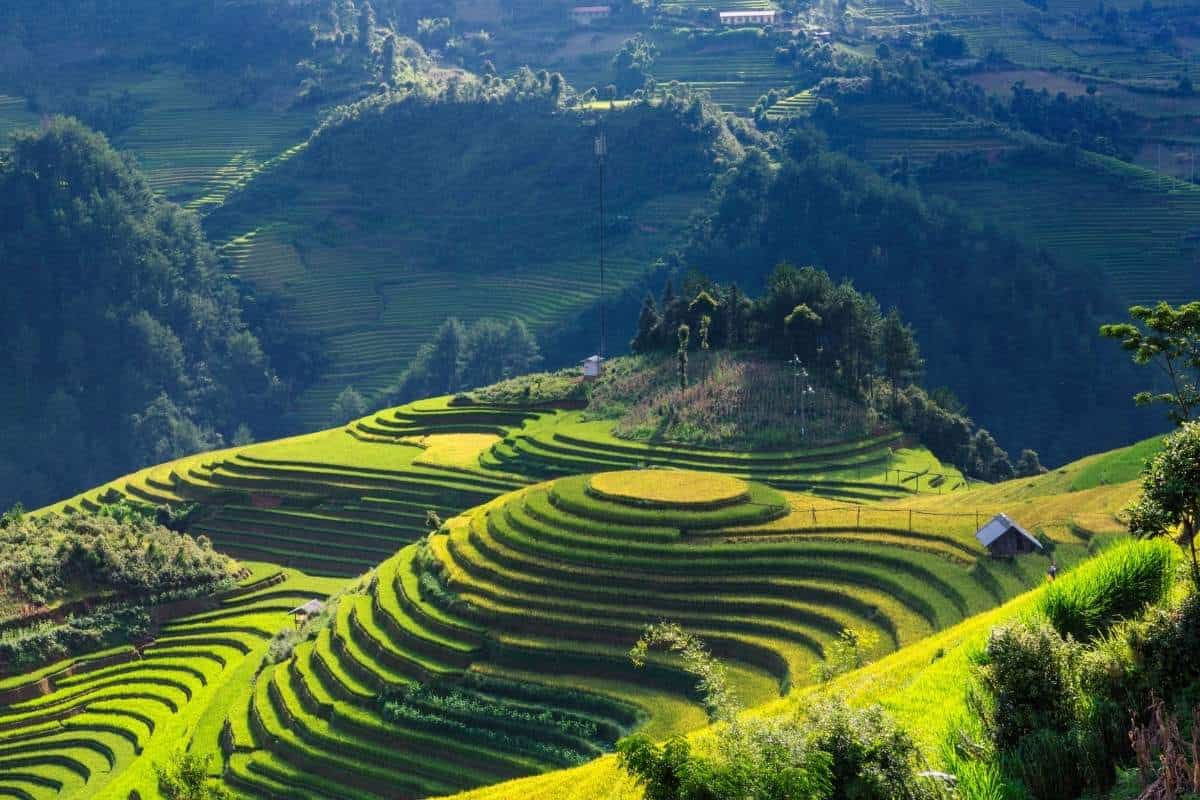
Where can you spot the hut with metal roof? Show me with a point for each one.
(1004, 537)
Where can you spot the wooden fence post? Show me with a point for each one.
(910, 520)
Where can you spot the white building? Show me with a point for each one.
(747, 17)
(592, 366)
(584, 15)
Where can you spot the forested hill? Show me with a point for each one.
(124, 344)
(1010, 330)
(477, 201)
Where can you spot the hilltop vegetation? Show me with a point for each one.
(976, 296)
(124, 343)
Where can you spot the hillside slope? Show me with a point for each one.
(431, 667)
(404, 212)
(920, 685)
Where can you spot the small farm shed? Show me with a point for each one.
(748, 17)
(592, 366)
(302, 614)
(1003, 537)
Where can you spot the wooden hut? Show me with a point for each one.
(302, 614)
(1003, 537)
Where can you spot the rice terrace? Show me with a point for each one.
(651, 400)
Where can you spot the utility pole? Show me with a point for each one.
(601, 152)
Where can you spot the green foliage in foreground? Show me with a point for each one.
(1050, 716)
(1170, 500)
(185, 777)
(1096, 595)
(822, 751)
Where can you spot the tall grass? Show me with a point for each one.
(1120, 583)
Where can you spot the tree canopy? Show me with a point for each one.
(126, 343)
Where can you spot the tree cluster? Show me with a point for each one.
(832, 328)
(125, 343)
(977, 295)
(461, 357)
(53, 557)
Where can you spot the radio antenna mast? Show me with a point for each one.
(601, 152)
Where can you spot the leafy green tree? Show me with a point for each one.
(521, 351)
(366, 26)
(348, 406)
(648, 333)
(1170, 501)
(849, 651)
(631, 64)
(444, 357)
(185, 777)
(1169, 338)
(901, 357)
(162, 431)
(1029, 465)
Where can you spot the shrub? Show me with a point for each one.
(1059, 765)
(26, 648)
(847, 652)
(1025, 683)
(1118, 585)
(870, 758)
(185, 777)
(1166, 648)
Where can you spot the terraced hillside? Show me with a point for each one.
(325, 502)
(549, 443)
(880, 132)
(340, 501)
(497, 647)
(549, 586)
(733, 77)
(1140, 228)
(922, 684)
(375, 264)
(94, 725)
(13, 117)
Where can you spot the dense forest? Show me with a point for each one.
(975, 295)
(125, 343)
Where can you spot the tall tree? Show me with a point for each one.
(681, 337)
(1168, 338)
(445, 356)
(902, 362)
(647, 337)
(347, 407)
(1170, 501)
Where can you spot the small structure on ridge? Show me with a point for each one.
(1003, 537)
(302, 614)
(592, 367)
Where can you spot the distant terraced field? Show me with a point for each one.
(880, 132)
(14, 116)
(1140, 228)
(735, 79)
(377, 313)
